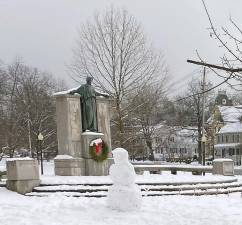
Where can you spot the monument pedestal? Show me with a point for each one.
(94, 168)
(86, 138)
(70, 167)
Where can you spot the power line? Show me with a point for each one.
(210, 89)
(231, 70)
(173, 86)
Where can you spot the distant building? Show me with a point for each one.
(222, 99)
(228, 139)
(224, 130)
(215, 122)
(177, 144)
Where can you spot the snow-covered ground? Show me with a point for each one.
(166, 178)
(58, 209)
(166, 210)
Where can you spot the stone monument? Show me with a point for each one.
(76, 129)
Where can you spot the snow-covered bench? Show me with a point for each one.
(196, 170)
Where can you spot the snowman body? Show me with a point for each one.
(124, 194)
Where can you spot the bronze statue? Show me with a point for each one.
(88, 105)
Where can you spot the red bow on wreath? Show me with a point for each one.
(98, 148)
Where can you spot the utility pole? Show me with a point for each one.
(203, 116)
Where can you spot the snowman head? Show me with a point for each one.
(120, 155)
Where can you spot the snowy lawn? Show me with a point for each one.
(168, 210)
(57, 209)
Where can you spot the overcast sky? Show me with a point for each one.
(43, 32)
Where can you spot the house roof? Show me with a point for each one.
(235, 127)
(231, 117)
(231, 113)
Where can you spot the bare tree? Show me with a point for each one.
(114, 51)
(145, 106)
(230, 40)
(28, 108)
(3, 87)
(190, 109)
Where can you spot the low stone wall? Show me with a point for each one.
(237, 171)
(196, 170)
(222, 166)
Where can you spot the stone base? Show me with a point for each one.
(81, 167)
(87, 137)
(70, 167)
(22, 186)
(94, 168)
(223, 167)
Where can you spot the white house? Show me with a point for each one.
(176, 143)
(228, 140)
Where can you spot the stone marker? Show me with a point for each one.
(22, 175)
(223, 167)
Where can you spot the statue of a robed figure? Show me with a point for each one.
(83, 132)
(88, 105)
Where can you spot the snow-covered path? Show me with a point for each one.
(168, 210)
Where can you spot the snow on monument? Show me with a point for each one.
(124, 194)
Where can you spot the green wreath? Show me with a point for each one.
(99, 152)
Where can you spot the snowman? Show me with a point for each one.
(124, 194)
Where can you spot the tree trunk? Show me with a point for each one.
(151, 154)
(120, 124)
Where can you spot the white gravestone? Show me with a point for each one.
(124, 194)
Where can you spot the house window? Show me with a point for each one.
(233, 138)
(223, 153)
(237, 151)
(237, 137)
(218, 139)
(226, 139)
(231, 151)
(222, 139)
